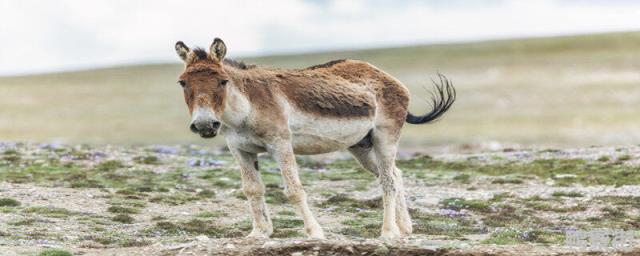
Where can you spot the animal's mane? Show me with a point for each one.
(237, 64)
(326, 65)
(202, 54)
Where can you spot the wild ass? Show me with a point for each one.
(342, 104)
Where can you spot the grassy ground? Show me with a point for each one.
(565, 91)
(160, 199)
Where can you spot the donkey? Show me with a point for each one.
(342, 104)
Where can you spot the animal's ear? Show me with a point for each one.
(182, 50)
(218, 49)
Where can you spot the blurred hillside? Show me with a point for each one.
(562, 91)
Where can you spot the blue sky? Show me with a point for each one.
(49, 36)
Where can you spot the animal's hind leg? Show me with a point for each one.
(253, 189)
(366, 156)
(403, 219)
(384, 147)
(379, 158)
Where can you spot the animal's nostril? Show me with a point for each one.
(215, 124)
(193, 128)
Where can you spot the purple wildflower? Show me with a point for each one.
(6, 145)
(450, 213)
(162, 149)
(204, 162)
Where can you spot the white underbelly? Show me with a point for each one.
(318, 135)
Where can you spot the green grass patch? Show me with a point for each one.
(287, 227)
(10, 152)
(504, 236)
(9, 202)
(53, 212)
(150, 159)
(623, 158)
(567, 194)
(361, 228)
(614, 212)
(507, 215)
(54, 252)
(102, 176)
(499, 197)
(344, 203)
(276, 196)
(158, 218)
(201, 227)
(633, 201)
(135, 203)
(109, 165)
(433, 224)
(563, 171)
(461, 203)
(173, 199)
(208, 214)
(24, 222)
(123, 218)
(546, 206)
(507, 181)
(119, 240)
(129, 192)
(122, 210)
(463, 178)
(206, 193)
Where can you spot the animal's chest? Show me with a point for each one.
(244, 140)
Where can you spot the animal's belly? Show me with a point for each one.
(315, 135)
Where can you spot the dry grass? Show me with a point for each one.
(568, 91)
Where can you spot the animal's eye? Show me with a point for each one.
(224, 82)
(182, 83)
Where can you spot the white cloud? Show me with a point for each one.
(59, 35)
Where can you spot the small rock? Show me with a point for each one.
(562, 176)
(202, 238)
(269, 244)
(349, 249)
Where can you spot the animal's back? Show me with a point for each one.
(390, 94)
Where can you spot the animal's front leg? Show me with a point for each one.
(253, 189)
(283, 153)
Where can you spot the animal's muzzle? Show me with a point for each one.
(206, 129)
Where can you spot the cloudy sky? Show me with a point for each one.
(47, 36)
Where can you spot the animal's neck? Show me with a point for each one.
(237, 106)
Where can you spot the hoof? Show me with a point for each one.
(406, 229)
(255, 234)
(317, 234)
(390, 235)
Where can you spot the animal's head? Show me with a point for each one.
(204, 83)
